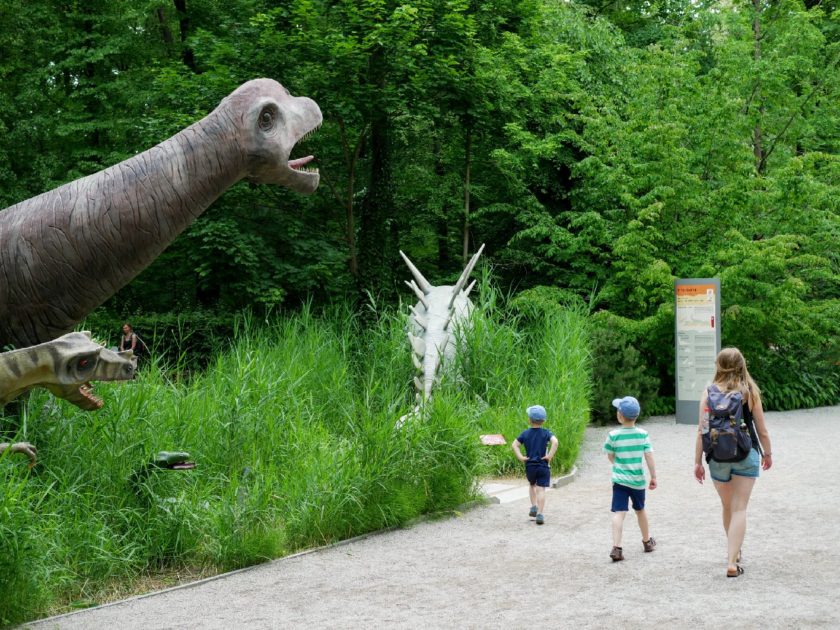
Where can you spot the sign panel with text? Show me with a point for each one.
(697, 338)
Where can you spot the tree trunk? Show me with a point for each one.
(468, 161)
(758, 151)
(351, 162)
(378, 221)
(187, 55)
(165, 32)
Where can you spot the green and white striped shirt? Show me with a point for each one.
(629, 445)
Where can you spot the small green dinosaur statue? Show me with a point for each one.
(140, 479)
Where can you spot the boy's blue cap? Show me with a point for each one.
(628, 406)
(536, 412)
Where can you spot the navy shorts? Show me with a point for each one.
(622, 495)
(538, 475)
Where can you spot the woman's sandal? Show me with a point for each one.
(738, 570)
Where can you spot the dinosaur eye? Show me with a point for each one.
(266, 120)
(83, 363)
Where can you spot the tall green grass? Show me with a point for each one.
(293, 430)
(513, 359)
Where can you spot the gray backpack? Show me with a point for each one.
(728, 438)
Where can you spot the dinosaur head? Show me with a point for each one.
(75, 361)
(271, 122)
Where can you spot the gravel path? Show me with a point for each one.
(492, 567)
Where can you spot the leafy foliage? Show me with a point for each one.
(599, 149)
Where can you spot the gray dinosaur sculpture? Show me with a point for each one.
(433, 320)
(65, 252)
(65, 366)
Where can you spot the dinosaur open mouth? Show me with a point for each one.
(183, 466)
(89, 401)
(300, 164)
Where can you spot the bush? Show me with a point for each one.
(619, 369)
(780, 308)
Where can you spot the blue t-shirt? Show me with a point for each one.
(535, 440)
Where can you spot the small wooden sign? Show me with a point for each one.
(495, 439)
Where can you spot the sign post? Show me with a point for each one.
(697, 339)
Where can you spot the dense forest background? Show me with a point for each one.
(599, 149)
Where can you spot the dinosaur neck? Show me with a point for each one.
(67, 251)
(20, 370)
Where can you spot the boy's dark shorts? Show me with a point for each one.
(622, 495)
(538, 475)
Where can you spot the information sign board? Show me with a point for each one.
(697, 339)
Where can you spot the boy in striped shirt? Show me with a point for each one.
(625, 448)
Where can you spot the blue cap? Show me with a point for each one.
(536, 412)
(628, 406)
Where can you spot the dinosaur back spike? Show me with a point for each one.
(421, 321)
(469, 288)
(424, 284)
(420, 295)
(464, 275)
(417, 345)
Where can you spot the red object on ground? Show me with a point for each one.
(493, 440)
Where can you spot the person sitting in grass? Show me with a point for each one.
(625, 448)
(537, 469)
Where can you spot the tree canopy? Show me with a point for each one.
(599, 149)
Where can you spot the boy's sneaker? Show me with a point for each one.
(617, 554)
(533, 511)
(540, 519)
(649, 544)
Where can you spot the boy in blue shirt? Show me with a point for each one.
(537, 469)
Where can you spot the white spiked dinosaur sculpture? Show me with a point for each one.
(432, 324)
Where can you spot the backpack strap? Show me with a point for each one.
(748, 418)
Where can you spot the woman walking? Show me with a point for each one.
(734, 480)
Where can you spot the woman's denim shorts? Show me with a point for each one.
(747, 467)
